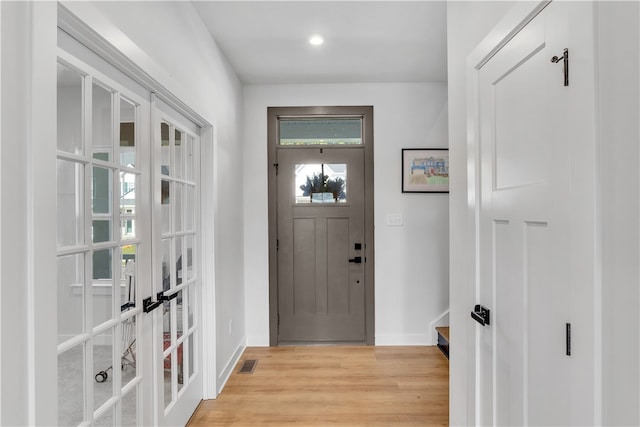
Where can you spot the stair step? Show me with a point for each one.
(443, 339)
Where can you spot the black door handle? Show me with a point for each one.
(163, 297)
(481, 315)
(148, 305)
(356, 260)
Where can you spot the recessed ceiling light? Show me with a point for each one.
(316, 39)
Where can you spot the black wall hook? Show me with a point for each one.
(565, 58)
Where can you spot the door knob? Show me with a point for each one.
(356, 260)
(481, 315)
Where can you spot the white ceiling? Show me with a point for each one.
(366, 41)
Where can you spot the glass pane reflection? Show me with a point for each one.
(70, 203)
(71, 292)
(103, 360)
(71, 386)
(165, 148)
(127, 133)
(102, 123)
(69, 110)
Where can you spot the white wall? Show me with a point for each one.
(619, 68)
(169, 41)
(468, 22)
(411, 278)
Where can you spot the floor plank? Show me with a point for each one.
(340, 386)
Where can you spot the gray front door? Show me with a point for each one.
(321, 225)
(321, 244)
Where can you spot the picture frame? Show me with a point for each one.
(425, 170)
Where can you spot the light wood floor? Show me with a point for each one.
(339, 386)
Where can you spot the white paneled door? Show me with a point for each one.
(128, 250)
(535, 180)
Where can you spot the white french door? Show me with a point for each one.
(128, 250)
(104, 242)
(176, 259)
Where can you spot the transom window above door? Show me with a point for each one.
(320, 131)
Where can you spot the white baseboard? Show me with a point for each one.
(223, 377)
(442, 320)
(406, 339)
(257, 341)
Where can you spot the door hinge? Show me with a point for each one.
(276, 165)
(277, 244)
(568, 333)
(278, 320)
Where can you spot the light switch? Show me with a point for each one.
(395, 220)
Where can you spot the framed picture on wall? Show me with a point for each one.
(425, 170)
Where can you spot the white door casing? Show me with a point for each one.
(532, 149)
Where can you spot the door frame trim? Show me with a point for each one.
(366, 112)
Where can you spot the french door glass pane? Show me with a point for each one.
(167, 381)
(190, 305)
(105, 420)
(71, 285)
(179, 149)
(101, 190)
(190, 208)
(101, 230)
(69, 110)
(128, 359)
(179, 260)
(165, 148)
(177, 193)
(127, 205)
(189, 261)
(71, 386)
(130, 409)
(190, 159)
(70, 203)
(128, 228)
(127, 133)
(166, 206)
(103, 361)
(179, 315)
(179, 354)
(166, 322)
(129, 275)
(191, 350)
(102, 123)
(102, 286)
(166, 264)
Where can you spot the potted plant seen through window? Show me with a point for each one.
(321, 189)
